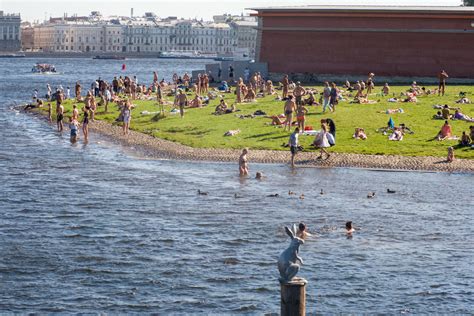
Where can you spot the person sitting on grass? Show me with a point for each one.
(269, 90)
(385, 89)
(196, 102)
(445, 112)
(397, 134)
(310, 100)
(410, 97)
(463, 117)
(445, 132)
(465, 139)
(221, 107)
(250, 95)
(359, 134)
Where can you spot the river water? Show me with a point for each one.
(94, 229)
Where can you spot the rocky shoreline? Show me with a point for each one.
(151, 147)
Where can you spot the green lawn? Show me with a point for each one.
(199, 128)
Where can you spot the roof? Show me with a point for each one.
(363, 8)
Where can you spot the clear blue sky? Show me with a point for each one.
(39, 9)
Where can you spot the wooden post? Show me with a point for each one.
(293, 297)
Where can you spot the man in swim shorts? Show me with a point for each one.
(182, 102)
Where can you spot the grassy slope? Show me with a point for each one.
(201, 129)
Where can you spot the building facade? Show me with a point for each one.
(138, 35)
(356, 40)
(10, 34)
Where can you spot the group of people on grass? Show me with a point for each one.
(123, 90)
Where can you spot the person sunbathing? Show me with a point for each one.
(397, 135)
(445, 132)
(465, 140)
(310, 100)
(385, 89)
(438, 116)
(392, 111)
(463, 117)
(411, 97)
(277, 119)
(196, 102)
(269, 90)
(359, 134)
(250, 95)
(463, 100)
(221, 108)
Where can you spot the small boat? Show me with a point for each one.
(12, 55)
(43, 69)
(185, 55)
(114, 57)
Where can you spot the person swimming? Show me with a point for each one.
(349, 228)
(302, 231)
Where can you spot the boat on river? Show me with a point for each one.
(44, 69)
(114, 57)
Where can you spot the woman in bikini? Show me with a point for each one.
(288, 109)
(243, 163)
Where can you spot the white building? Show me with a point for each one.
(10, 32)
(145, 35)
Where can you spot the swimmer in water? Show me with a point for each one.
(302, 233)
(349, 228)
(259, 176)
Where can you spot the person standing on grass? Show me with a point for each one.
(182, 99)
(127, 116)
(285, 83)
(293, 143)
(442, 76)
(301, 111)
(288, 109)
(370, 83)
(243, 163)
(333, 96)
(299, 92)
(326, 97)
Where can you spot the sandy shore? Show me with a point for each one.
(151, 147)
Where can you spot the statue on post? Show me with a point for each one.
(288, 262)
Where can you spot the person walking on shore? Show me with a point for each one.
(127, 117)
(288, 109)
(321, 141)
(243, 163)
(293, 143)
(442, 76)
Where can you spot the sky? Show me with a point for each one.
(32, 10)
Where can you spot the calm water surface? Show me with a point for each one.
(94, 229)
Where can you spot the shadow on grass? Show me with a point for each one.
(259, 135)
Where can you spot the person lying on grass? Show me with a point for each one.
(392, 111)
(463, 117)
(359, 134)
(397, 134)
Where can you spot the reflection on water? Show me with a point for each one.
(90, 228)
